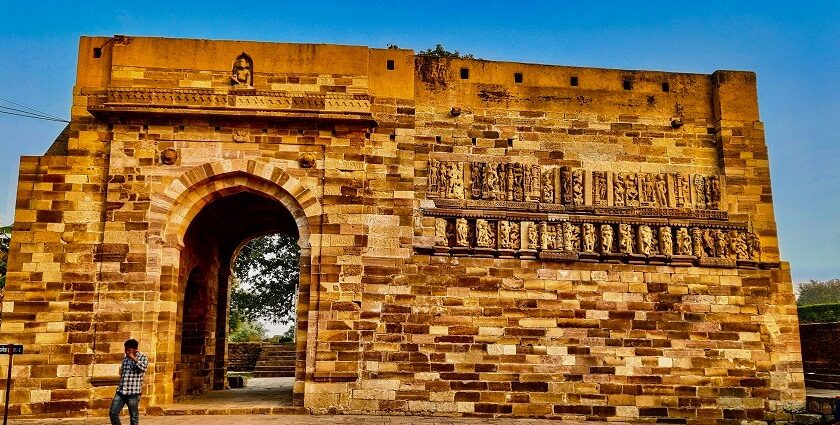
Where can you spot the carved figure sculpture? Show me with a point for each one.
(709, 243)
(455, 180)
(554, 237)
(588, 237)
(515, 236)
(462, 232)
(242, 74)
(649, 193)
(518, 188)
(680, 190)
(533, 239)
(606, 238)
(566, 185)
(482, 233)
(697, 242)
(631, 190)
(494, 227)
(443, 179)
(645, 240)
(544, 242)
(685, 186)
(721, 244)
(599, 187)
(508, 172)
(741, 249)
(576, 238)
(753, 247)
(168, 156)
(577, 187)
(441, 238)
(548, 185)
(713, 185)
(568, 237)
(666, 241)
(619, 195)
(661, 191)
(490, 182)
(534, 188)
(732, 239)
(476, 177)
(625, 239)
(683, 241)
(504, 234)
(434, 177)
(700, 192)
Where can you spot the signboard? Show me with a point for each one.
(16, 349)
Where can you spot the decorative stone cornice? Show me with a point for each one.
(233, 102)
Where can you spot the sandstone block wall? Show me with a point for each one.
(436, 276)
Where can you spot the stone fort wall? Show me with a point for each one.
(480, 238)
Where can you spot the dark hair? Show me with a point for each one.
(132, 343)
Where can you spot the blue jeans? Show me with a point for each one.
(120, 400)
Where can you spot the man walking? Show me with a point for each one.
(132, 369)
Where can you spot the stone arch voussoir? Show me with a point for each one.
(199, 186)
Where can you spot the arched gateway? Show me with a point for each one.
(204, 216)
(477, 237)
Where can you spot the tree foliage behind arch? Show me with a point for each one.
(267, 272)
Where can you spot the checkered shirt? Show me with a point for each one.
(131, 375)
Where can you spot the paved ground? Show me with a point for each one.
(303, 420)
(260, 396)
(274, 395)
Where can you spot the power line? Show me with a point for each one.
(28, 113)
(34, 116)
(31, 109)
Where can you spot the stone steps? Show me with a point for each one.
(823, 380)
(276, 361)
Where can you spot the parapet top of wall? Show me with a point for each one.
(483, 83)
(99, 54)
(399, 73)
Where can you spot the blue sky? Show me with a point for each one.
(794, 47)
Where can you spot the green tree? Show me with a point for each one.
(5, 239)
(290, 334)
(440, 52)
(267, 272)
(819, 292)
(244, 330)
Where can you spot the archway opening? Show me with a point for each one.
(210, 245)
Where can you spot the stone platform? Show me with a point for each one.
(261, 396)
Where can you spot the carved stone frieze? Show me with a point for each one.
(571, 239)
(240, 100)
(507, 208)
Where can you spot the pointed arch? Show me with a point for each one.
(173, 210)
